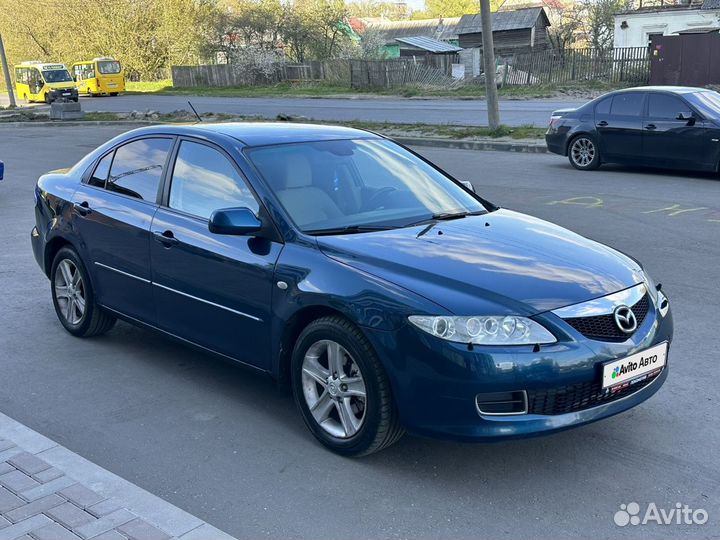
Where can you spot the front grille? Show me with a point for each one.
(603, 327)
(577, 397)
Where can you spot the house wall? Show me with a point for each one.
(640, 25)
(510, 40)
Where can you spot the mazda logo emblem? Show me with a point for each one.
(625, 319)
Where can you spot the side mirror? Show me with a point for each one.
(468, 185)
(2, 170)
(235, 221)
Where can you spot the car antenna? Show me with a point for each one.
(193, 110)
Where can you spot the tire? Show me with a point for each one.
(91, 319)
(26, 99)
(374, 424)
(113, 93)
(583, 153)
(47, 99)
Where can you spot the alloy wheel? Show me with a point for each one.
(70, 291)
(582, 152)
(334, 389)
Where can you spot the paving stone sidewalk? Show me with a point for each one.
(48, 492)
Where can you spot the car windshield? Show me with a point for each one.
(707, 103)
(56, 75)
(109, 67)
(362, 184)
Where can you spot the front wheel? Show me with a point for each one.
(583, 153)
(74, 298)
(341, 389)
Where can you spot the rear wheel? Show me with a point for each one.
(583, 153)
(47, 99)
(341, 389)
(113, 93)
(74, 298)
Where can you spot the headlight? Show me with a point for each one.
(651, 287)
(485, 330)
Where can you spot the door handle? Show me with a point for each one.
(82, 208)
(651, 127)
(602, 123)
(166, 238)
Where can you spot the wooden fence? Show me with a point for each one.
(627, 64)
(435, 71)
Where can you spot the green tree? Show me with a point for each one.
(599, 20)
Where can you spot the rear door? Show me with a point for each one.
(113, 210)
(212, 289)
(618, 120)
(674, 141)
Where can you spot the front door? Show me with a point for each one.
(211, 289)
(112, 213)
(619, 125)
(674, 135)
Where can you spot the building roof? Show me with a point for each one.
(429, 44)
(518, 19)
(440, 29)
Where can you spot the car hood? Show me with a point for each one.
(502, 261)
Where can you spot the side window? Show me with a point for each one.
(665, 107)
(100, 175)
(629, 104)
(137, 168)
(204, 180)
(604, 106)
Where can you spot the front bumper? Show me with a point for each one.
(63, 94)
(435, 382)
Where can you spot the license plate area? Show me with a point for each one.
(634, 368)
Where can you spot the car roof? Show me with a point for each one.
(671, 89)
(266, 133)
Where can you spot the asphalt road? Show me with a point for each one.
(401, 110)
(225, 445)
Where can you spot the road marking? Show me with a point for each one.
(588, 202)
(675, 210)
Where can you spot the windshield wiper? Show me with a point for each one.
(349, 229)
(445, 216)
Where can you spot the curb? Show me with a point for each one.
(153, 509)
(475, 144)
(455, 144)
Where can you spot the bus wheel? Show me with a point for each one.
(26, 99)
(47, 99)
(113, 93)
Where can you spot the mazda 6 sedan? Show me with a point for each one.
(660, 126)
(387, 294)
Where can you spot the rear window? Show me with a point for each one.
(137, 168)
(604, 106)
(629, 104)
(109, 67)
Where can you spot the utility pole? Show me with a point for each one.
(488, 53)
(6, 71)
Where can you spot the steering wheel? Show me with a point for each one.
(373, 202)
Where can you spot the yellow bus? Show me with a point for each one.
(38, 81)
(99, 76)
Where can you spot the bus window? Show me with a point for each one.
(109, 67)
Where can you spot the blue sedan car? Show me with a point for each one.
(387, 294)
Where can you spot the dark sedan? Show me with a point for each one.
(661, 126)
(387, 294)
